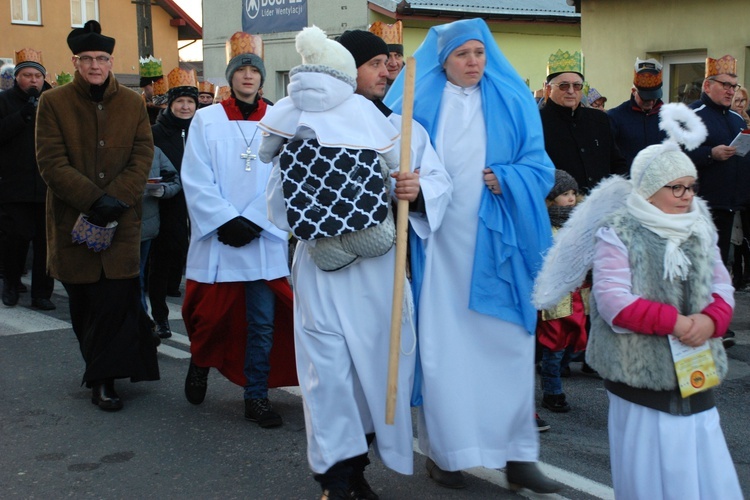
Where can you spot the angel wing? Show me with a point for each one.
(572, 253)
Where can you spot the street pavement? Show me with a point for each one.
(55, 444)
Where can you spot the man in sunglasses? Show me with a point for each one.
(635, 122)
(577, 139)
(724, 176)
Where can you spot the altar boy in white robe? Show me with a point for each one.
(237, 259)
(341, 316)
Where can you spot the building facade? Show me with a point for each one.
(45, 24)
(528, 31)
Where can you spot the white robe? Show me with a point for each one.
(478, 387)
(342, 336)
(218, 189)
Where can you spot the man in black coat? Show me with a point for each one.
(578, 139)
(22, 190)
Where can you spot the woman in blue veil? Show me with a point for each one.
(475, 318)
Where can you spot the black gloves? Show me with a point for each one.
(238, 232)
(105, 210)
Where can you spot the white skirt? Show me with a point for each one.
(655, 455)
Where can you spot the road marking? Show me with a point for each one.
(569, 479)
(19, 319)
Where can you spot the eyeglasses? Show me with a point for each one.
(565, 86)
(727, 85)
(678, 190)
(86, 60)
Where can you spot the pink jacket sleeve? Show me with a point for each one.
(628, 312)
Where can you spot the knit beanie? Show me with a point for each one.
(184, 91)
(317, 50)
(363, 45)
(563, 182)
(241, 60)
(658, 165)
(30, 64)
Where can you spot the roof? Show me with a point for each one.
(187, 27)
(557, 10)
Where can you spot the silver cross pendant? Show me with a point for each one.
(248, 156)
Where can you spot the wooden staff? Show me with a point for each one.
(402, 225)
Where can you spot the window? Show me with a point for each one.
(683, 76)
(25, 12)
(82, 11)
(282, 79)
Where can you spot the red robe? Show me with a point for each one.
(215, 320)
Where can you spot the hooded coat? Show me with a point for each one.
(86, 149)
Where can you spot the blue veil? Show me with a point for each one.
(514, 229)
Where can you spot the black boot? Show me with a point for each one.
(104, 396)
(527, 475)
(196, 383)
(359, 488)
(449, 479)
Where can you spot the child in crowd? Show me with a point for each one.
(561, 331)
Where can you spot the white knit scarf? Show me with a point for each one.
(675, 228)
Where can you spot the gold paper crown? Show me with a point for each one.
(391, 33)
(565, 62)
(63, 78)
(179, 77)
(26, 55)
(160, 86)
(244, 43)
(150, 67)
(647, 80)
(647, 74)
(222, 93)
(206, 88)
(727, 65)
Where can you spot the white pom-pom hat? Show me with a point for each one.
(317, 49)
(657, 165)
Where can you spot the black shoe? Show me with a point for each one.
(196, 384)
(10, 295)
(586, 368)
(541, 425)
(104, 396)
(162, 329)
(43, 304)
(556, 403)
(527, 475)
(259, 410)
(728, 339)
(449, 479)
(174, 293)
(335, 494)
(360, 489)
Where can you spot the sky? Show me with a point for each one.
(194, 9)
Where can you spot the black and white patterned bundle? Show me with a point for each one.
(331, 191)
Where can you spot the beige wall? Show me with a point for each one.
(118, 21)
(615, 32)
(526, 45)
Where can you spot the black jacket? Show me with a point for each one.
(725, 185)
(580, 142)
(20, 181)
(634, 129)
(170, 135)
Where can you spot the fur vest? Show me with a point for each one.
(645, 361)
